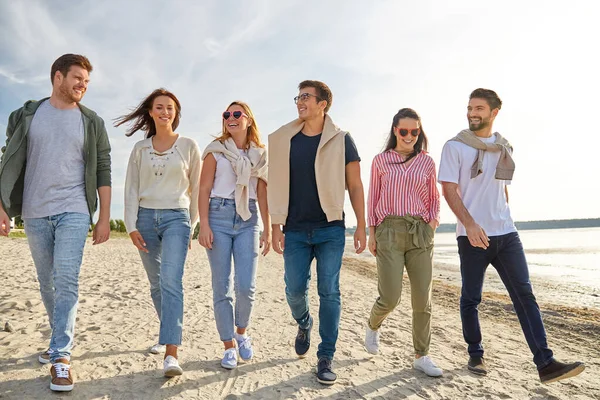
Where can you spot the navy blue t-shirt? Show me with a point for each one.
(305, 212)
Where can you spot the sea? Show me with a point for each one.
(568, 260)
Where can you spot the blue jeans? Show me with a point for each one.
(56, 243)
(506, 254)
(327, 246)
(232, 236)
(167, 236)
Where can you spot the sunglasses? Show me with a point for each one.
(236, 115)
(413, 132)
(305, 96)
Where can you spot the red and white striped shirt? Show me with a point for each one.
(398, 189)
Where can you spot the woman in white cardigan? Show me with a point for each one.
(161, 206)
(233, 181)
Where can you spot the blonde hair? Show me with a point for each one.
(252, 132)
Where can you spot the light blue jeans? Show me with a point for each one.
(56, 243)
(232, 236)
(167, 236)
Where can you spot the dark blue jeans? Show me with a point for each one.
(506, 254)
(327, 246)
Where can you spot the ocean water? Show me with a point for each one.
(571, 255)
(566, 255)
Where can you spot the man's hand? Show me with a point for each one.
(278, 239)
(101, 232)
(138, 241)
(4, 223)
(477, 236)
(360, 240)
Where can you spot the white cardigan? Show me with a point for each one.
(166, 180)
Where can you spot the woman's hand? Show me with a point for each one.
(265, 241)
(138, 241)
(205, 237)
(373, 245)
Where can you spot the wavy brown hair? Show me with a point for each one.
(392, 141)
(141, 114)
(252, 132)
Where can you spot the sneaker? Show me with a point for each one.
(302, 344)
(477, 365)
(44, 358)
(229, 360)
(324, 373)
(372, 341)
(62, 380)
(158, 348)
(555, 371)
(244, 343)
(426, 364)
(171, 367)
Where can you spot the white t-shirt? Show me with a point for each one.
(225, 178)
(483, 196)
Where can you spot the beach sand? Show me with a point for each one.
(117, 324)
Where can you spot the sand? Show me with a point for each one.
(117, 324)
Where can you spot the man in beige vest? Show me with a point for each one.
(311, 162)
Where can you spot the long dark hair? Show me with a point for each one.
(141, 114)
(392, 141)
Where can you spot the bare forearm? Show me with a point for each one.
(357, 199)
(104, 193)
(372, 230)
(264, 208)
(457, 206)
(203, 202)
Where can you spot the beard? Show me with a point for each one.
(68, 94)
(477, 126)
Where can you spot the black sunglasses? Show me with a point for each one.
(413, 132)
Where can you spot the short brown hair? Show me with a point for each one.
(489, 96)
(322, 89)
(66, 61)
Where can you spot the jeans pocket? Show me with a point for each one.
(214, 205)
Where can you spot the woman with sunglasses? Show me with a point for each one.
(233, 180)
(161, 206)
(403, 213)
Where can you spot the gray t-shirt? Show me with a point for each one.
(54, 176)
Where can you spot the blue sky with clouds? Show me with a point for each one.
(377, 57)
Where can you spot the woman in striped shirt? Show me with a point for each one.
(403, 213)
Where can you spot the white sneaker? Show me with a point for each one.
(44, 358)
(244, 343)
(158, 348)
(229, 360)
(372, 341)
(171, 367)
(427, 365)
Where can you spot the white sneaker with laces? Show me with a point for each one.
(44, 358)
(426, 364)
(244, 343)
(171, 367)
(229, 360)
(158, 348)
(372, 341)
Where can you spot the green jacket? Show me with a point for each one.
(14, 157)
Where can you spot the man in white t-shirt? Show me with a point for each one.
(475, 169)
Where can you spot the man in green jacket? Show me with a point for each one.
(57, 156)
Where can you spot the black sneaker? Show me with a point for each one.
(302, 344)
(555, 371)
(324, 373)
(477, 365)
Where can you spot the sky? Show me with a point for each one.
(377, 57)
